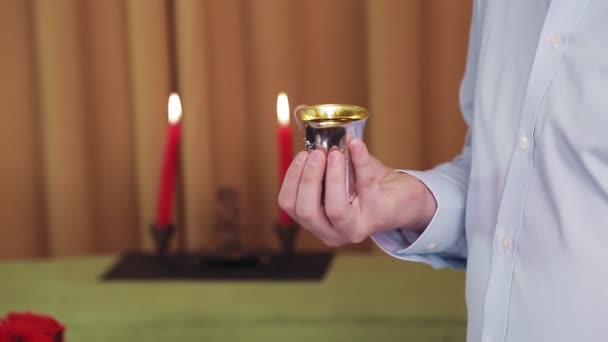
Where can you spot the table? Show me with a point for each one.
(363, 298)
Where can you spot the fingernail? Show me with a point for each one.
(301, 157)
(334, 156)
(316, 157)
(356, 146)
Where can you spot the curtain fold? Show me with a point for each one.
(272, 66)
(148, 50)
(197, 148)
(112, 154)
(396, 53)
(85, 97)
(444, 60)
(22, 207)
(66, 138)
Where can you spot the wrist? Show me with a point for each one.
(406, 203)
(423, 206)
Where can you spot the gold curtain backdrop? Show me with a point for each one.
(84, 92)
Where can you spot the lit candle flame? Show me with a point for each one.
(175, 108)
(283, 109)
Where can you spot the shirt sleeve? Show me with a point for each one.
(443, 242)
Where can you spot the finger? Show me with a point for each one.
(289, 189)
(362, 163)
(309, 210)
(336, 201)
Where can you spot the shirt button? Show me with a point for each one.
(431, 246)
(524, 143)
(555, 41)
(506, 244)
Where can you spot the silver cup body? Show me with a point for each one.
(318, 137)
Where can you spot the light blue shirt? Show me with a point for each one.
(525, 206)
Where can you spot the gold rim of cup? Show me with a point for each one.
(328, 115)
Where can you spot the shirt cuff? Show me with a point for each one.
(443, 242)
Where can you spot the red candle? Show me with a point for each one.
(285, 147)
(166, 187)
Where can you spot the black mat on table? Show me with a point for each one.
(298, 267)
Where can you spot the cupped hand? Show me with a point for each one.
(386, 199)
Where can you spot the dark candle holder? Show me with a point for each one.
(287, 235)
(161, 235)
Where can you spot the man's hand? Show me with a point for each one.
(386, 199)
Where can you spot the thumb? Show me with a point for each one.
(364, 164)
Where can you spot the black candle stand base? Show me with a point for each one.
(161, 235)
(228, 263)
(201, 267)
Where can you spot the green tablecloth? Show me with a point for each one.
(363, 298)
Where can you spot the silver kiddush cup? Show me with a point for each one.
(327, 126)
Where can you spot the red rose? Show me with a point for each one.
(21, 332)
(29, 327)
